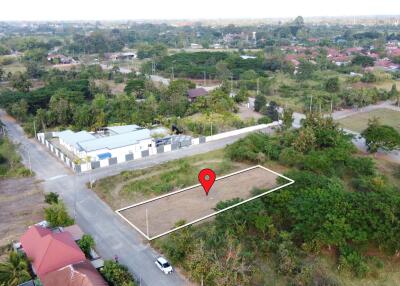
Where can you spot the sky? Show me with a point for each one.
(33, 10)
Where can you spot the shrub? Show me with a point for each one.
(57, 215)
(86, 243)
(264, 120)
(51, 198)
(117, 274)
(248, 148)
(354, 261)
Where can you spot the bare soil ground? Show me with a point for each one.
(192, 204)
(247, 113)
(21, 205)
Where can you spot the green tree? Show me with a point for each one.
(34, 69)
(272, 111)
(174, 101)
(51, 198)
(117, 274)
(57, 215)
(381, 137)
(20, 82)
(223, 72)
(287, 118)
(14, 270)
(82, 117)
(241, 96)
(332, 84)
(259, 102)
(305, 70)
(20, 109)
(305, 141)
(364, 61)
(135, 85)
(394, 93)
(86, 243)
(2, 74)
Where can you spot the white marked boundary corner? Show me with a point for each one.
(209, 215)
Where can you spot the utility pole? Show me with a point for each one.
(231, 84)
(147, 223)
(153, 67)
(258, 86)
(331, 106)
(173, 76)
(311, 104)
(29, 160)
(75, 197)
(205, 78)
(34, 127)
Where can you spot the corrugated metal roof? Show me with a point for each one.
(115, 141)
(72, 138)
(123, 129)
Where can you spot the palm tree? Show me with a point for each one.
(15, 270)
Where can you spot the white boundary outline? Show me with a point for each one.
(209, 215)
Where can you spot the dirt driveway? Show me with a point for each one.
(192, 204)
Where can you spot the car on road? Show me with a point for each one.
(164, 265)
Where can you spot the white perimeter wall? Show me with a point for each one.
(241, 131)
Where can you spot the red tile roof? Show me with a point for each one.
(50, 251)
(80, 274)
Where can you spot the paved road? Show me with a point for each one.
(112, 235)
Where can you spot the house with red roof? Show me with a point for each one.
(79, 274)
(50, 251)
(57, 259)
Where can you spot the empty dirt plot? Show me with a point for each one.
(159, 215)
(21, 205)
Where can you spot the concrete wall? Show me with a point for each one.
(241, 131)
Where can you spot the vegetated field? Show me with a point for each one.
(192, 204)
(359, 122)
(10, 161)
(21, 205)
(135, 186)
(131, 187)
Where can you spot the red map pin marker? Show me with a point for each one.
(207, 179)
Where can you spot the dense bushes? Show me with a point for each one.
(117, 274)
(339, 202)
(10, 161)
(56, 214)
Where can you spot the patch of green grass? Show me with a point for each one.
(10, 161)
(183, 174)
(359, 122)
(130, 185)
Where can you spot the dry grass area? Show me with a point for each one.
(359, 122)
(192, 204)
(134, 186)
(21, 205)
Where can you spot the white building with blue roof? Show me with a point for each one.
(114, 141)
